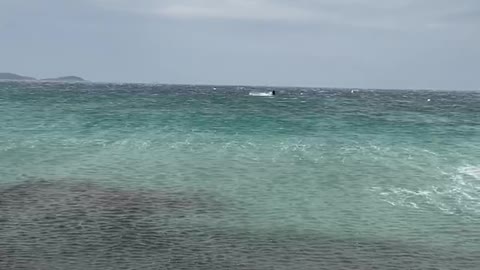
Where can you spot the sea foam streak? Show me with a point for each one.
(460, 195)
(473, 171)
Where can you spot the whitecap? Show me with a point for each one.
(459, 194)
(473, 171)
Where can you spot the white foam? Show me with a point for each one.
(473, 171)
(461, 194)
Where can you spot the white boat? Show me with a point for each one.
(262, 94)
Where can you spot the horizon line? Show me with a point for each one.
(238, 85)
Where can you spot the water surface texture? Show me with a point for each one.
(130, 176)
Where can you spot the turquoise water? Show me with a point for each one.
(131, 176)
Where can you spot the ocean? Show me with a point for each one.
(138, 176)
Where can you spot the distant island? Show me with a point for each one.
(65, 79)
(16, 77)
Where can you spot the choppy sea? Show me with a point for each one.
(137, 176)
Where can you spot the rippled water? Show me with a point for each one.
(112, 176)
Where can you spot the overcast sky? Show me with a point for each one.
(337, 43)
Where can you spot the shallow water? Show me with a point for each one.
(130, 176)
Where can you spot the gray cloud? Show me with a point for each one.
(381, 14)
(263, 10)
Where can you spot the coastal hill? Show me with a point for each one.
(65, 79)
(16, 77)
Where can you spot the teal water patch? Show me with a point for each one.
(216, 178)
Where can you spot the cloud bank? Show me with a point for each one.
(390, 14)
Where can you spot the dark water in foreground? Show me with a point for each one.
(103, 176)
